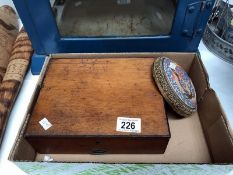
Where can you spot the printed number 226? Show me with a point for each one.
(128, 125)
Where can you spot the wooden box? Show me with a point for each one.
(82, 99)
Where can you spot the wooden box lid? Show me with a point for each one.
(84, 97)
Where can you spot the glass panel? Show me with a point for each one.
(113, 17)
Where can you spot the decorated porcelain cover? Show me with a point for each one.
(175, 85)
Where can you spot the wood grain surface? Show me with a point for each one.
(84, 97)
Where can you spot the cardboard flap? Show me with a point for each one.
(23, 151)
(199, 78)
(216, 128)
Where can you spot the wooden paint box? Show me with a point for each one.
(83, 98)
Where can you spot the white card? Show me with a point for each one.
(125, 124)
(45, 123)
(47, 158)
(172, 66)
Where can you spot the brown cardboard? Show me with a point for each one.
(216, 128)
(202, 138)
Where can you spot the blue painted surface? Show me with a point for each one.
(27, 20)
(39, 22)
(37, 63)
(37, 17)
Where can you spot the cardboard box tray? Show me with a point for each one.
(202, 138)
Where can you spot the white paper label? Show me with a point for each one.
(172, 66)
(47, 158)
(45, 123)
(123, 2)
(125, 124)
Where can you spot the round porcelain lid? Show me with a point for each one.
(180, 82)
